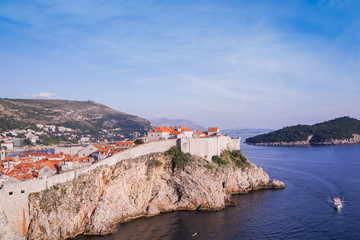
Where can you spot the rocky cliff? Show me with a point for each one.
(145, 186)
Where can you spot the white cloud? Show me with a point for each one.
(43, 95)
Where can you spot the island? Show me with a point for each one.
(343, 130)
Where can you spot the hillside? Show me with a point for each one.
(339, 130)
(245, 131)
(84, 117)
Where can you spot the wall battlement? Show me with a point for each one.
(14, 196)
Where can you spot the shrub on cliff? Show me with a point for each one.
(235, 157)
(218, 160)
(239, 159)
(154, 163)
(179, 159)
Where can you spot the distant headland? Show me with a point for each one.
(343, 130)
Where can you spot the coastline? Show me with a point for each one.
(96, 202)
(142, 181)
(354, 140)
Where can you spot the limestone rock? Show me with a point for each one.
(94, 203)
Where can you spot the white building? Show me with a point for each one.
(18, 142)
(34, 139)
(61, 129)
(71, 150)
(8, 145)
(51, 128)
(198, 134)
(213, 131)
(187, 133)
(92, 148)
(159, 133)
(85, 140)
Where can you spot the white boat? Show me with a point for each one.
(337, 203)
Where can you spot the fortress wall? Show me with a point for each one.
(68, 150)
(15, 206)
(208, 147)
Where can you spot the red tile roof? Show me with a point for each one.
(175, 132)
(34, 154)
(213, 129)
(184, 129)
(170, 129)
(59, 155)
(199, 132)
(162, 129)
(25, 165)
(124, 144)
(50, 165)
(105, 150)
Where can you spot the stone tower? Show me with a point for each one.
(2, 154)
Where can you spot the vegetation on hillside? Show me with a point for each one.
(85, 117)
(234, 158)
(178, 158)
(9, 123)
(339, 128)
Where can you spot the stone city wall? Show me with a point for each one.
(208, 147)
(14, 196)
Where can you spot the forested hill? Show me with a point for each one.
(85, 117)
(341, 128)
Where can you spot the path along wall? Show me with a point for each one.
(14, 196)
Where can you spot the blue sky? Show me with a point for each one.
(220, 63)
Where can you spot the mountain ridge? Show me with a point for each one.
(177, 123)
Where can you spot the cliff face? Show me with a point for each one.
(94, 203)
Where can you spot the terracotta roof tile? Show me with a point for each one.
(213, 129)
(50, 165)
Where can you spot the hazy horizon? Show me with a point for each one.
(251, 64)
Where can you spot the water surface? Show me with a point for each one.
(313, 175)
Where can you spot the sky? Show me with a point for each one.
(255, 64)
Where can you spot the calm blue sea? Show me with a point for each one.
(313, 175)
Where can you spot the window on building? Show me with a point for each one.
(10, 193)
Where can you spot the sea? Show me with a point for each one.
(303, 210)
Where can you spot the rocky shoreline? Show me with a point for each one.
(354, 140)
(94, 203)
